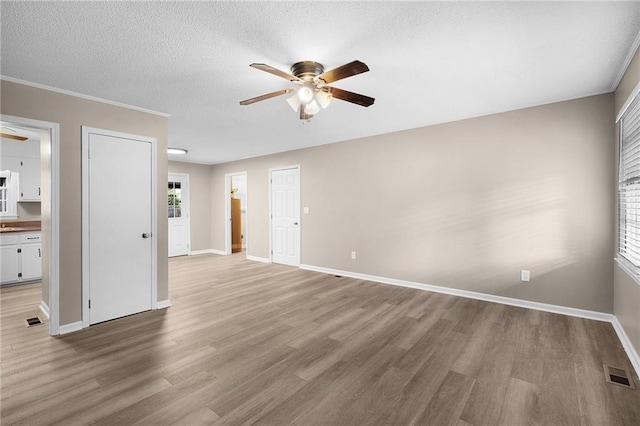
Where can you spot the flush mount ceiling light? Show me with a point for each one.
(313, 91)
(178, 151)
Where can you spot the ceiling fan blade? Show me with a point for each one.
(275, 71)
(344, 71)
(354, 98)
(267, 96)
(15, 137)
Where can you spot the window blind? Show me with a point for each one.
(629, 186)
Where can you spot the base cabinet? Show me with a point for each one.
(21, 257)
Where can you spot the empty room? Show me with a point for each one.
(320, 213)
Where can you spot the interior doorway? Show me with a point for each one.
(46, 190)
(236, 202)
(178, 214)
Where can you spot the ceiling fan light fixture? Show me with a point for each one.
(323, 98)
(293, 102)
(305, 94)
(312, 108)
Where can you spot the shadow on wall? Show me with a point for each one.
(479, 242)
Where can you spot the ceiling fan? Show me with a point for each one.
(11, 135)
(313, 91)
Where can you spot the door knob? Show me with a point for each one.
(145, 235)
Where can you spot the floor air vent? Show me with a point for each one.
(32, 322)
(618, 376)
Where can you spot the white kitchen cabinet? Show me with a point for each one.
(9, 258)
(21, 257)
(31, 256)
(29, 179)
(10, 163)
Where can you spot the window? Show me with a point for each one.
(8, 195)
(175, 200)
(629, 188)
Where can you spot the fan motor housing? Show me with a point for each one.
(306, 70)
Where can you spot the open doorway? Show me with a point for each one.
(30, 152)
(236, 212)
(179, 215)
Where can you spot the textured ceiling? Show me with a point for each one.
(430, 62)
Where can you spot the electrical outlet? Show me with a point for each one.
(525, 275)
(353, 255)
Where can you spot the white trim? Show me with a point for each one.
(628, 269)
(574, 312)
(207, 251)
(227, 208)
(80, 95)
(627, 345)
(70, 328)
(185, 177)
(630, 99)
(627, 61)
(86, 131)
(164, 304)
(54, 214)
(44, 308)
(299, 248)
(259, 259)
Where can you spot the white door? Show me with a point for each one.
(9, 267)
(178, 212)
(285, 216)
(117, 222)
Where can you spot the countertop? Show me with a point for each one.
(20, 226)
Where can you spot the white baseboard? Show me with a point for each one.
(627, 345)
(563, 310)
(70, 328)
(206, 251)
(164, 304)
(44, 308)
(574, 312)
(259, 259)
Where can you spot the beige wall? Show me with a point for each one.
(199, 201)
(626, 291)
(464, 205)
(72, 113)
(28, 211)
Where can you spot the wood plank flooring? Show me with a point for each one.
(251, 343)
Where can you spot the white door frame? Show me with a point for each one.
(185, 177)
(271, 170)
(227, 212)
(86, 131)
(53, 309)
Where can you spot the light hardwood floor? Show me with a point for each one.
(251, 343)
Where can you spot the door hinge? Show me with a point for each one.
(19, 274)
(271, 251)
(19, 250)
(89, 303)
(21, 163)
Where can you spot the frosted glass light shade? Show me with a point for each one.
(312, 108)
(305, 94)
(323, 98)
(293, 102)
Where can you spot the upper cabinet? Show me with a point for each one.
(23, 158)
(29, 179)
